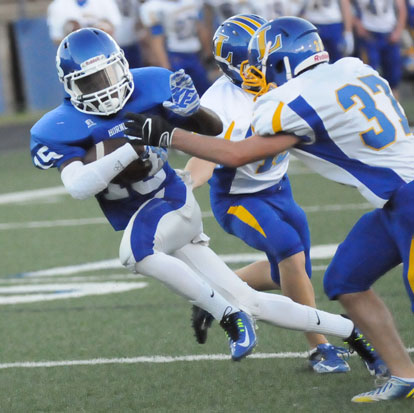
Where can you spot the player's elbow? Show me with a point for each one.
(77, 193)
(80, 182)
(235, 159)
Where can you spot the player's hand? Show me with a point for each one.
(349, 43)
(185, 99)
(149, 130)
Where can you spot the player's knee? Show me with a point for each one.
(126, 256)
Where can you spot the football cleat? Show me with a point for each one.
(327, 358)
(239, 328)
(394, 388)
(201, 321)
(370, 357)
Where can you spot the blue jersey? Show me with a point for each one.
(66, 133)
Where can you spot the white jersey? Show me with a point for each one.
(268, 9)
(178, 20)
(323, 11)
(353, 131)
(377, 15)
(224, 9)
(126, 32)
(271, 9)
(90, 13)
(234, 106)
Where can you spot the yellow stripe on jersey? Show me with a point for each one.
(245, 26)
(276, 121)
(410, 395)
(245, 216)
(410, 275)
(229, 131)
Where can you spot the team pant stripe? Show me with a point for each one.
(410, 275)
(245, 216)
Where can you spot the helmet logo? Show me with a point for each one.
(221, 38)
(93, 61)
(263, 44)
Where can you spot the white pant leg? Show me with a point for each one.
(175, 229)
(272, 308)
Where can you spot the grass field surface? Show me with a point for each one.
(81, 334)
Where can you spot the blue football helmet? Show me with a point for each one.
(94, 72)
(279, 51)
(230, 43)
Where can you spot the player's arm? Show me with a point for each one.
(348, 24)
(203, 121)
(401, 11)
(228, 153)
(156, 131)
(185, 102)
(158, 52)
(152, 21)
(200, 170)
(85, 180)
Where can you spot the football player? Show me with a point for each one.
(333, 19)
(379, 26)
(176, 35)
(254, 202)
(343, 121)
(159, 217)
(65, 16)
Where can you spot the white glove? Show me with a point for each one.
(185, 99)
(349, 43)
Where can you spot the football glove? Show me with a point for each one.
(185, 99)
(149, 130)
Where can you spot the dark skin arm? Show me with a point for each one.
(232, 154)
(204, 121)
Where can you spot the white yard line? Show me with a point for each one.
(24, 196)
(317, 252)
(152, 359)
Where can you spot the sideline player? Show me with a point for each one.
(160, 218)
(177, 37)
(347, 126)
(254, 202)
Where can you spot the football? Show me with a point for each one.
(134, 172)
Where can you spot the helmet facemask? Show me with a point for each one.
(279, 51)
(102, 86)
(254, 77)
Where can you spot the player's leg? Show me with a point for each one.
(369, 51)
(367, 253)
(272, 308)
(390, 53)
(332, 38)
(274, 223)
(370, 312)
(158, 228)
(258, 276)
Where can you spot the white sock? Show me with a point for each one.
(273, 308)
(180, 278)
(282, 311)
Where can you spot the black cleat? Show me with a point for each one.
(201, 321)
(373, 362)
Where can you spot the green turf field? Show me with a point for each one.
(133, 350)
